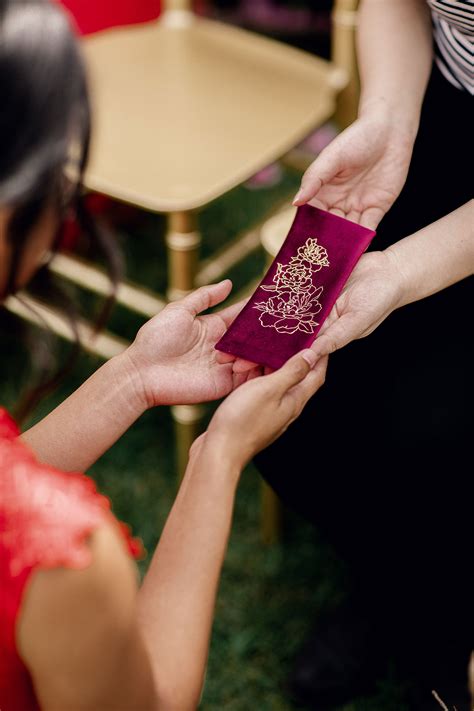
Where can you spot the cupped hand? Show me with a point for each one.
(372, 292)
(361, 172)
(173, 360)
(258, 412)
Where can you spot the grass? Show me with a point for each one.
(269, 596)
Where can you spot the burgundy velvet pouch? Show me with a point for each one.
(288, 308)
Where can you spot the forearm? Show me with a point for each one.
(177, 599)
(436, 256)
(74, 435)
(394, 47)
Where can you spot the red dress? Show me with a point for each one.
(45, 518)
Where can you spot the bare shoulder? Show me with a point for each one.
(77, 627)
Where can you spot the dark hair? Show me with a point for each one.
(45, 122)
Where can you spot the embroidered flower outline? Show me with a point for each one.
(295, 303)
(313, 253)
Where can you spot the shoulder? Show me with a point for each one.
(45, 514)
(77, 622)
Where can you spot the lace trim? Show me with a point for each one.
(47, 515)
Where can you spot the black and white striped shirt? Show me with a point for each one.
(453, 22)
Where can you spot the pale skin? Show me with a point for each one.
(92, 639)
(361, 173)
(412, 269)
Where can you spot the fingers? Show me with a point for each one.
(311, 383)
(337, 211)
(344, 330)
(371, 217)
(242, 366)
(205, 297)
(224, 358)
(293, 372)
(353, 216)
(324, 168)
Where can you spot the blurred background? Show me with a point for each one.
(278, 575)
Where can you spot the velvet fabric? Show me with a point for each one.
(291, 303)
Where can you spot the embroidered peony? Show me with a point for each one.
(313, 253)
(294, 303)
(290, 312)
(294, 277)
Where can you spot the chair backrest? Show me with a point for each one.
(344, 23)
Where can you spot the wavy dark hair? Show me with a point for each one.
(45, 131)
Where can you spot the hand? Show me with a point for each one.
(372, 292)
(361, 173)
(260, 411)
(173, 360)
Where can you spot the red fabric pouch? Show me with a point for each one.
(291, 303)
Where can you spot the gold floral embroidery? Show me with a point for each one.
(295, 301)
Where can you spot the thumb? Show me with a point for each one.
(321, 171)
(293, 372)
(205, 297)
(346, 329)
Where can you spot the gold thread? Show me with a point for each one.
(294, 303)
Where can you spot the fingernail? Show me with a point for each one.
(298, 196)
(310, 357)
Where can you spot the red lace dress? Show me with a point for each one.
(45, 518)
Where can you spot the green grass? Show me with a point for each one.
(269, 596)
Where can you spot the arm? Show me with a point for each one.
(361, 173)
(90, 641)
(394, 49)
(77, 432)
(177, 599)
(178, 595)
(172, 361)
(413, 268)
(437, 256)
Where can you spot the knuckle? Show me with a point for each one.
(302, 367)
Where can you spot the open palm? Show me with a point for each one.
(174, 355)
(361, 173)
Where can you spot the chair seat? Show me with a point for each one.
(182, 115)
(275, 230)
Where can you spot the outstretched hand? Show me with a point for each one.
(173, 359)
(257, 413)
(361, 172)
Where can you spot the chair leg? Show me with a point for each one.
(271, 515)
(183, 241)
(188, 425)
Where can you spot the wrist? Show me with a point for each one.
(130, 383)
(400, 280)
(215, 454)
(402, 123)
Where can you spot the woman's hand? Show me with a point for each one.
(361, 173)
(173, 361)
(373, 291)
(260, 411)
